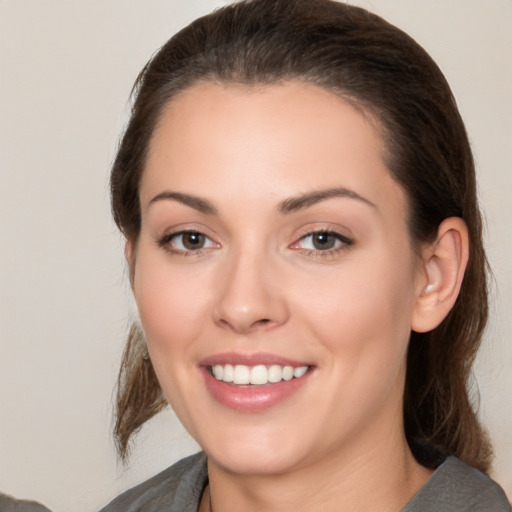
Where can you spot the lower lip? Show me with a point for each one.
(251, 398)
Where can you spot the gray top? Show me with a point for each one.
(457, 487)
(10, 504)
(454, 487)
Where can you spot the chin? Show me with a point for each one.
(257, 453)
(254, 462)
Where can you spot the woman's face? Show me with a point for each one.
(274, 253)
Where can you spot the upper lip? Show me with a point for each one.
(265, 358)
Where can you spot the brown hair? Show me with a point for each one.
(381, 70)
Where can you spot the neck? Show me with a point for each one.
(383, 478)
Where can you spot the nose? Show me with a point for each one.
(251, 296)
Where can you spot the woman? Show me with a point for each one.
(297, 194)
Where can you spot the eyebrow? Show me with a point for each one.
(289, 205)
(309, 199)
(197, 203)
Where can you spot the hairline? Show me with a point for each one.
(172, 90)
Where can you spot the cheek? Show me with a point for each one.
(172, 305)
(363, 312)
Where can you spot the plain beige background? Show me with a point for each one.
(66, 69)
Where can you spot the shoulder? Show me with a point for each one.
(457, 487)
(10, 504)
(177, 488)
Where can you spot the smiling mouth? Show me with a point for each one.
(258, 375)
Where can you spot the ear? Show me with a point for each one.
(443, 264)
(129, 253)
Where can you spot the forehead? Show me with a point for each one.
(268, 140)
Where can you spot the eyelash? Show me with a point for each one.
(342, 241)
(165, 242)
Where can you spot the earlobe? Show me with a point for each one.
(444, 263)
(128, 250)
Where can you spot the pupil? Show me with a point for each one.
(193, 240)
(323, 241)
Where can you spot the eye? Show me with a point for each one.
(187, 241)
(323, 241)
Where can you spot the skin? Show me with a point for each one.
(259, 284)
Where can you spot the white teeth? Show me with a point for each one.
(299, 372)
(241, 374)
(257, 375)
(288, 373)
(218, 371)
(275, 373)
(228, 373)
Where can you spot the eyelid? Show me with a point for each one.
(344, 241)
(165, 242)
